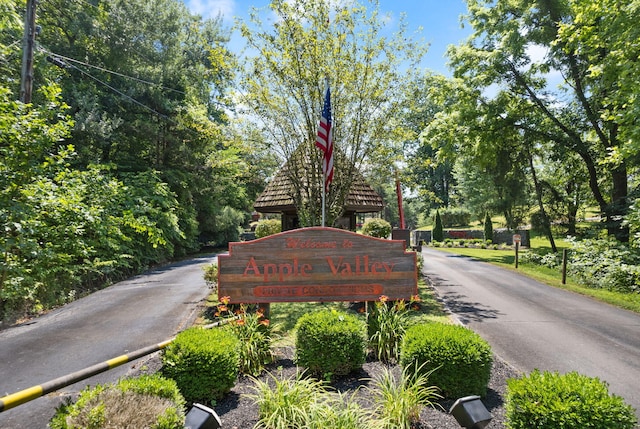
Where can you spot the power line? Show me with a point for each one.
(114, 72)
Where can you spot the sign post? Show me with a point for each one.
(317, 264)
(516, 242)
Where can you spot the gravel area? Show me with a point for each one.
(239, 412)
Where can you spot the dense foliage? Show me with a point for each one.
(377, 227)
(568, 401)
(127, 160)
(349, 46)
(330, 343)
(203, 362)
(459, 358)
(268, 227)
(148, 401)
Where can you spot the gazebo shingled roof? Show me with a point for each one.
(276, 197)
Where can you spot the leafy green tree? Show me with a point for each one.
(147, 83)
(283, 87)
(430, 174)
(576, 117)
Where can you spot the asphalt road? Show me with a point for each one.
(127, 316)
(531, 325)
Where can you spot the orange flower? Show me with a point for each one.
(415, 298)
(415, 307)
(225, 300)
(217, 314)
(384, 298)
(260, 311)
(361, 310)
(265, 322)
(222, 308)
(240, 322)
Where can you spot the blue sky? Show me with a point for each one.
(439, 19)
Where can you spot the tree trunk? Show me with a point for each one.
(543, 213)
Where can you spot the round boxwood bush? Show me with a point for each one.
(204, 363)
(460, 359)
(570, 401)
(149, 401)
(375, 227)
(330, 343)
(268, 227)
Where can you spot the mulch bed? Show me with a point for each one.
(238, 412)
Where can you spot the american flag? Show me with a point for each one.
(324, 141)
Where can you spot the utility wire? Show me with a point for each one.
(114, 72)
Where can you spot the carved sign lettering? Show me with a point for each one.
(316, 264)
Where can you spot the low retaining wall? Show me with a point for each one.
(501, 235)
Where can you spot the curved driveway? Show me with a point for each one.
(531, 325)
(127, 316)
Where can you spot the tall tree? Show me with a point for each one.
(147, 83)
(307, 44)
(501, 56)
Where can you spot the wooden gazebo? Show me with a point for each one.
(276, 198)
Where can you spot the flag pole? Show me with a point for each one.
(325, 144)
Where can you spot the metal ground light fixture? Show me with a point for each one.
(201, 417)
(470, 412)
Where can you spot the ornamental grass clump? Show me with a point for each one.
(330, 343)
(285, 403)
(459, 359)
(570, 401)
(148, 401)
(399, 401)
(203, 362)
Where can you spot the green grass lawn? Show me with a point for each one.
(551, 277)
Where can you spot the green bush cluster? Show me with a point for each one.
(268, 227)
(203, 362)
(330, 343)
(378, 228)
(452, 217)
(596, 263)
(459, 358)
(149, 401)
(570, 401)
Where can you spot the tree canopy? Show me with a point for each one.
(289, 61)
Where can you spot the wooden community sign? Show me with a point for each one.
(317, 264)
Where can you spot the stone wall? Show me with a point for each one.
(501, 235)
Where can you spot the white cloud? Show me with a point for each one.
(212, 8)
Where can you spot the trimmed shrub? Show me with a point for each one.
(488, 229)
(149, 401)
(379, 228)
(570, 401)
(459, 358)
(438, 232)
(203, 362)
(268, 227)
(330, 343)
